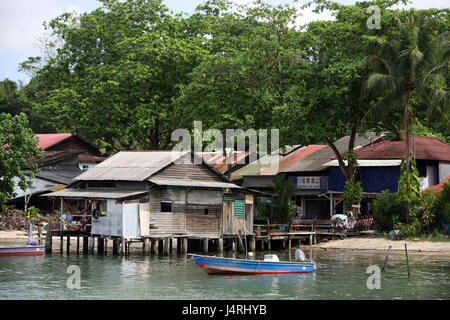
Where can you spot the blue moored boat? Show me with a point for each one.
(270, 264)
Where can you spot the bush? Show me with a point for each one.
(408, 230)
(442, 206)
(387, 211)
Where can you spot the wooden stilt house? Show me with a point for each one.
(135, 194)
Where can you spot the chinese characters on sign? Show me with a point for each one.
(310, 182)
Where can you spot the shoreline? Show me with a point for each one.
(380, 243)
(369, 243)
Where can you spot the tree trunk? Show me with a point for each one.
(407, 153)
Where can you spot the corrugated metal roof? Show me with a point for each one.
(38, 186)
(132, 165)
(425, 148)
(368, 163)
(290, 159)
(256, 167)
(193, 183)
(95, 194)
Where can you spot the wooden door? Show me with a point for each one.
(144, 218)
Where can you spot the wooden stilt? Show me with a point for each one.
(115, 248)
(100, 246)
(105, 247)
(78, 244)
(153, 247)
(166, 246)
(91, 244)
(48, 242)
(123, 247)
(220, 245)
(205, 245)
(146, 246)
(160, 246)
(85, 244)
(269, 246)
(252, 242)
(185, 245)
(68, 244)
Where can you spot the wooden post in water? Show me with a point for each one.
(91, 244)
(123, 247)
(205, 245)
(68, 244)
(61, 228)
(252, 243)
(153, 246)
(85, 244)
(185, 245)
(78, 244)
(39, 235)
(115, 250)
(220, 245)
(268, 244)
(166, 246)
(386, 259)
(105, 247)
(146, 246)
(48, 241)
(407, 262)
(170, 245)
(100, 245)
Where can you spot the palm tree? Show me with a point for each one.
(416, 63)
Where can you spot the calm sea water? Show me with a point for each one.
(339, 275)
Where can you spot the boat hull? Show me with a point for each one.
(217, 265)
(22, 251)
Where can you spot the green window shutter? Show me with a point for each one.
(239, 208)
(228, 199)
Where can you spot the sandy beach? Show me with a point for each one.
(381, 243)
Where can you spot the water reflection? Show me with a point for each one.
(339, 275)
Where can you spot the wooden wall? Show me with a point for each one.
(195, 222)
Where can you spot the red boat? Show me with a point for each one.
(21, 251)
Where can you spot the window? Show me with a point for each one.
(206, 211)
(166, 206)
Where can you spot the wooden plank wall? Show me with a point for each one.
(195, 221)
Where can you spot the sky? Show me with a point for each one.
(21, 24)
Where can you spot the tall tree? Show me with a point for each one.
(415, 64)
(17, 144)
(116, 76)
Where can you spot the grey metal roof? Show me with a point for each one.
(60, 176)
(38, 186)
(194, 183)
(132, 165)
(95, 193)
(315, 161)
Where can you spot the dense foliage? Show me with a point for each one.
(17, 144)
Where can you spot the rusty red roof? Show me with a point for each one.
(439, 187)
(49, 139)
(425, 148)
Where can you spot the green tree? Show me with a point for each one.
(283, 210)
(415, 64)
(116, 76)
(17, 145)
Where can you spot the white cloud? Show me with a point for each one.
(21, 21)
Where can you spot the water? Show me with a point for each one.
(339, 275)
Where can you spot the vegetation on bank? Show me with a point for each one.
(429, 218)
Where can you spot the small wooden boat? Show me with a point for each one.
(270, 264)
(21, 251)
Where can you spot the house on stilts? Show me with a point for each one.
(157, 197)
